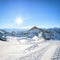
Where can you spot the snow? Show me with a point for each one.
(43, 52)
(35, 38)
(56, 55)
(9, 50)
(20, 50)
(49, 53)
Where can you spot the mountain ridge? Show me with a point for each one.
(46, 34)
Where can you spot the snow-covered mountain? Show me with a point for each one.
(34, 33)
(46, 34)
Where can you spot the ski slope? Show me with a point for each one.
(45, 53)
(45, 50)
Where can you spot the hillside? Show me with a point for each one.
(46, 34)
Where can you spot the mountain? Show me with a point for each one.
(33, 33)
(46, 34)
(2, 35)
(34, 28)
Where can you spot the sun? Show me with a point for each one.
(19, 20)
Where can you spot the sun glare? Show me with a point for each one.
(19, 20)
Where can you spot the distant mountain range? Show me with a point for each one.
(46, 34)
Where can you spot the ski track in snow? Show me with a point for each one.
(56, 55)
(39, 54)
(33, 56)
(46, 50)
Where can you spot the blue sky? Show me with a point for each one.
(28, 13)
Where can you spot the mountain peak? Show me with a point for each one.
(34, 27)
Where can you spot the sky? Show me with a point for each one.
(27, 13)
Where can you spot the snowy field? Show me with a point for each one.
(45, 50)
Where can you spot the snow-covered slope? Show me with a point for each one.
(47, 50)
(34, 32)
(45, 34)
